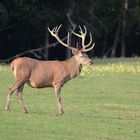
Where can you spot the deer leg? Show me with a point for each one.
(58, 99)
(19, 94)
(10, 92)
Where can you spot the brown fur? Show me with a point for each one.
(41, 74)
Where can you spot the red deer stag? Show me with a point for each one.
(41, 74)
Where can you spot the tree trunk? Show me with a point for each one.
(125, 9)
(3, 15)
(46, 51)
(70, 23)
(104, 45)
(115, 43)
(68, 51)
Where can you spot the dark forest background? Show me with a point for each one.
(114, 24)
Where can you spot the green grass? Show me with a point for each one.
(102, 104)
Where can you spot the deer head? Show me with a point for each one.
(79, 54)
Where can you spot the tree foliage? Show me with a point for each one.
(23, 24)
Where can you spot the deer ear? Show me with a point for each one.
(75, 51)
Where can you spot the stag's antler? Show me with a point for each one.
(54, 33)
(82, 35)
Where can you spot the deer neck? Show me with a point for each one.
(73, 67)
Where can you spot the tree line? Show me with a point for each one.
(114, 24)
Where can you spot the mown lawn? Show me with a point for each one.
(102, 104)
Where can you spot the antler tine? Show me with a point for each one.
(85, 46)
(54, 33)
(75, 33)
(82, 35)
(51, 31)
(54, 29)
(57, 28)
(85, 29)
(83, 32)
(86, 50)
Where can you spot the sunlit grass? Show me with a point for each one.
(101, 104)
(113, 67)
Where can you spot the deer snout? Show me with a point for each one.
(90, 62)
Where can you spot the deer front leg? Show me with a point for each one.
(58, 99)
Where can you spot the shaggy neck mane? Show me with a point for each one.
(73, 67)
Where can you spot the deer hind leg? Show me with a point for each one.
(58, 99)
(13, 88)
(19, 95)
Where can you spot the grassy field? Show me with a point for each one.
(102, 104)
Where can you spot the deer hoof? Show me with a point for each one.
(26, 112)
(59, 113)
(7, 110)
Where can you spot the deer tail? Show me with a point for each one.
(12, 66)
